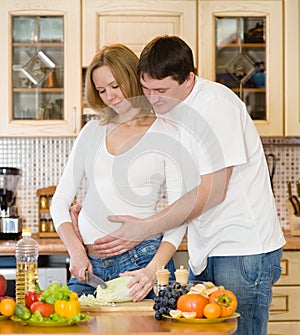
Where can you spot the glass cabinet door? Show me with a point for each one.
(241, 46)
(241, 60)
(37, 69)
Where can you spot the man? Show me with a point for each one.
(234, 235)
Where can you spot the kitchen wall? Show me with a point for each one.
(42, 161)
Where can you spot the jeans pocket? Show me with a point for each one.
(250, 268)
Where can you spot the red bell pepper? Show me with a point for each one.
(32, 296)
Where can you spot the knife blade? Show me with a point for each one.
(94, 280)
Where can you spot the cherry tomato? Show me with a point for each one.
(226, 299)
(45, 309)
(192, 303)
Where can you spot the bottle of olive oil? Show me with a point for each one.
(27, 252)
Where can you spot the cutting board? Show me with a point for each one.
(140, 306)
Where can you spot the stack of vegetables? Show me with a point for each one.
(57, 303)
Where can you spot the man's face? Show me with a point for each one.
(164, 94)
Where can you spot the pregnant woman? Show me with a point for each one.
(122, 156)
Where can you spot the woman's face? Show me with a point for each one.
(109, 91)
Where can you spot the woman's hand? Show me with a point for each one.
(141, 283)
(79, 263)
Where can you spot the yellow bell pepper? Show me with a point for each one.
(67, 309)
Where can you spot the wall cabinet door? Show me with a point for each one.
(134, 23)
(241, 46)
(40, 63)
(292, 67)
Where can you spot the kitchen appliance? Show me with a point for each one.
(10, 222)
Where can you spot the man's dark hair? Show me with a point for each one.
(166, 56)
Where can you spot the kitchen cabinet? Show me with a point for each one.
(292, 67)
(241, 46)
(40, 68)
(135, 23)
(284, 312)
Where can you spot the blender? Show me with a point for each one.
(10, 222)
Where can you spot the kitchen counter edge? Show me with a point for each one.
(50, 246)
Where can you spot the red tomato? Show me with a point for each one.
(3, 285)
(226, 299)
(45, 309)
(192, 303)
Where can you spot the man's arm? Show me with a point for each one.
(210, 193)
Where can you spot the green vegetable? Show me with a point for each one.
(55, 292)
(22, 312)
(116, 291)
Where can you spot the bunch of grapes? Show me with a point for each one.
(166, 299)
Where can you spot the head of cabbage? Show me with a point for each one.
(116, 291)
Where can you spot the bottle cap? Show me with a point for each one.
(26, 232)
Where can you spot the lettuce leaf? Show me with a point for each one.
(55, 292)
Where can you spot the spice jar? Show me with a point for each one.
(44, 202)
(182, 275)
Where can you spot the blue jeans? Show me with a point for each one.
(251, 279)
(110, 267)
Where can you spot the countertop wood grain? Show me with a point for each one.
(52, 246)
(125, 323)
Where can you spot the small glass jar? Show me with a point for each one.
(44, 204)
(44, 224)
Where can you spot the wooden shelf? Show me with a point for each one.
(48, 234)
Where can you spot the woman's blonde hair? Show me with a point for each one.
(123, 64)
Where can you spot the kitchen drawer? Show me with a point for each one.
(290, 265)
(285, 304)
(283, 328)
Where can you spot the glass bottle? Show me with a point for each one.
(27, 251)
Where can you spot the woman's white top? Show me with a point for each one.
(128, 184)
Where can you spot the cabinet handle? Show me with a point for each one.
(74, 119)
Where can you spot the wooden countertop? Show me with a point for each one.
(50, 246)
(125, 323)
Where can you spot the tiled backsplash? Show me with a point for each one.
(42, 161)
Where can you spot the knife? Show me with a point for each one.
(94, 280)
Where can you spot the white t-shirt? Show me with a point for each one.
(220, 133)
(128, 184)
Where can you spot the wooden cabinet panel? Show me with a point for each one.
(135, 23)
(290, 267)
(283, 328)
(285, 303)
(284, 311)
